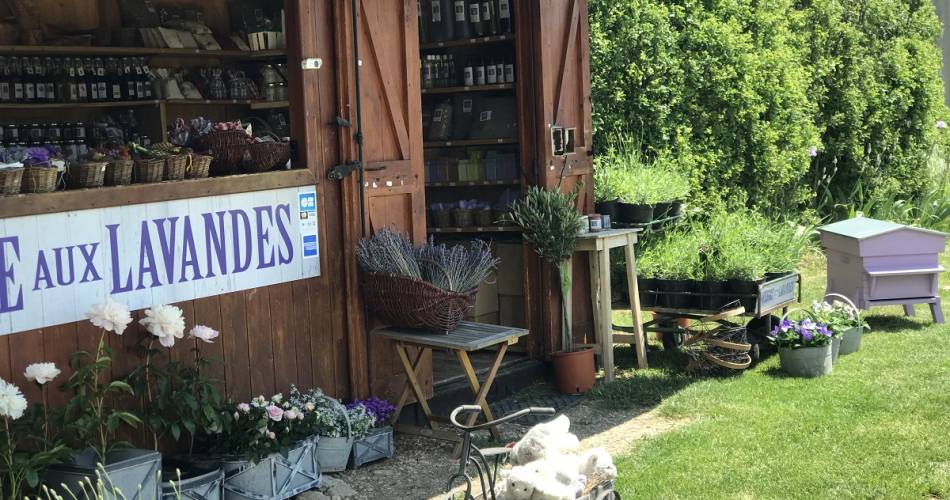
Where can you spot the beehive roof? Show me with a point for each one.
(862, 228)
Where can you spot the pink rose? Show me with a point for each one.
(271, 435)
(275, 413)
(290, 415)
(244, 407)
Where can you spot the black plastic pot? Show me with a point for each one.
(662, 210)
(635, 214)
(647, 287)
(676, 208)
(712, 303)
(744, 288)
(674, 300)
(772, 276)
(611, 208)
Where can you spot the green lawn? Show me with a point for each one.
(878, 427)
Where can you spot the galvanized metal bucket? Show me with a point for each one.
(333, 453)
(203, 484)
(835, 349)
(128, 475)
(275, 477)
(851, 340)
(806, 361)
(377, 445)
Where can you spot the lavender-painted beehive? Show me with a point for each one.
(876, 263)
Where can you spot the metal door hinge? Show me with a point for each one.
(311, 63)
(340, 171)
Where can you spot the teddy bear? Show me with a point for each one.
(597, 460)
(541, 480)
(548, 438)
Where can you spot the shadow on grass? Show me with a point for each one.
(639, 388)
(895, 323)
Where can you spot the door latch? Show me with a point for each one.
(340, 171)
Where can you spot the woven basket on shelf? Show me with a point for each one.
(199, 167)
(39, 179)
(442, 218)
(264, 156)
(176, 166)
(483, 217)
(411, 303)
(228, 149)
(119, 173)
(10, 180)
(86, 175)
(147, 171)
(463, 217)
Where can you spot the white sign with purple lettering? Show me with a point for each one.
(53, 267)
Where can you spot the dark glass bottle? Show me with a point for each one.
(505, 18)
(82, 85)
(480, 73)
(29, 80)
(101, 80)
(62, 81)
(16, 80)
(422, 5)
(460, 16)
(475, 18)
(468, 73)
(491, 72)
(115, 82)
(441, 26)
(147, 79)
(89, 79)
(489, 20)
(6, 77)
(49, 79)
(509, 71)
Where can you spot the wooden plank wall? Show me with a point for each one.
(271, 337)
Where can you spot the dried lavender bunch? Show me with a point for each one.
(456, 268)
(388, 252)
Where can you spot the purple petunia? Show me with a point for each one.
(822, 329)
(380, 409)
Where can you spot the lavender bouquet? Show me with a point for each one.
(799, 334)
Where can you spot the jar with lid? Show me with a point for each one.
(35, 134)
(11, 134)
(54, 133)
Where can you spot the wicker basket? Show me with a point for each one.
(463, 217)
(39, 179)
(86, 175)
(264, 156)
(200, 164)
(410, 303)
(228, 149)
(176, 166)
(483, 217)
(119, 173)
(11, 179)
(147, 171)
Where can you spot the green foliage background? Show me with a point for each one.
(739, 90)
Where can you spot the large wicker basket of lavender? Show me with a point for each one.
(432, 287)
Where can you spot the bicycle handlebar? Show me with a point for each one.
(478, 409)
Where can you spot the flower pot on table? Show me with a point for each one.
(851, 340)
(188, 481)
(806, 361)
(274, 477)
(377, 445)
(636, 214)
(574, 371)
(128, 474)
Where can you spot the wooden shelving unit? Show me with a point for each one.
(469, 142)
(513, 182)
(473, 88)
(468, 42)
(472, 230)
(81, 105)
(137, 52)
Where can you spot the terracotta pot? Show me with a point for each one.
(574, 371)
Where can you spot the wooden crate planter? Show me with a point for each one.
(129, 475)
(876, 263)
(378, 445)
(275, 477)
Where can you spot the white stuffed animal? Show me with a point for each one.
(541, 480)
(520, 484)
(542, 440)
(597, 460)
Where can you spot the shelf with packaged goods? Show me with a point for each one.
(472, 88)
(468, 42)
(52, 50)
(151, 102)
(469, 142)
(470, 230)
(453, 184)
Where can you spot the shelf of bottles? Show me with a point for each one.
(116, 81)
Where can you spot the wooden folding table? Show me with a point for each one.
(468, 337)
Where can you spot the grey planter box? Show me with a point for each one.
(334, 453)
(879, 263)
(275, 477)
(129, 475)
(806, 361)
(202, 483)
(378, 445)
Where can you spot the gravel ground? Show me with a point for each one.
(421, 466)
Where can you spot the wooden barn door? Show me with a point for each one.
(562, 132)
(394, 187)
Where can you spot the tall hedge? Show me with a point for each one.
(742, 92)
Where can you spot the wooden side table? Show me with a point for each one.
(468, 337)
(599, 245)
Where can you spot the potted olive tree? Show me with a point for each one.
(804, 347)
(550, 222)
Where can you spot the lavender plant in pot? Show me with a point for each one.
(549, 222)
(804, 347)
(372, 430)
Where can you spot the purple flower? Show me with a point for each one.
(380, 409)
(807, 324)
(807, 335)
(786, 325)
(822, 329)
(812, 151)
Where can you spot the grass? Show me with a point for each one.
(878, 427)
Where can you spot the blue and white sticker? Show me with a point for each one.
(307, 209)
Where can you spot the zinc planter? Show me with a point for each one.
(333, 453)
(128, 474)
(275, 477)
(377, 445)
(184, 481)
(851, 340)
(835, 349)
(806, 361)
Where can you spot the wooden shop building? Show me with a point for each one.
(268, 257)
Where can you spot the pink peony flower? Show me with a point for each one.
(204, 334)
(244, 407)
(275, 413)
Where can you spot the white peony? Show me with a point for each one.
(164, 322)
(41, 373)
(12, 402)
(111, 316)
(203, 333)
